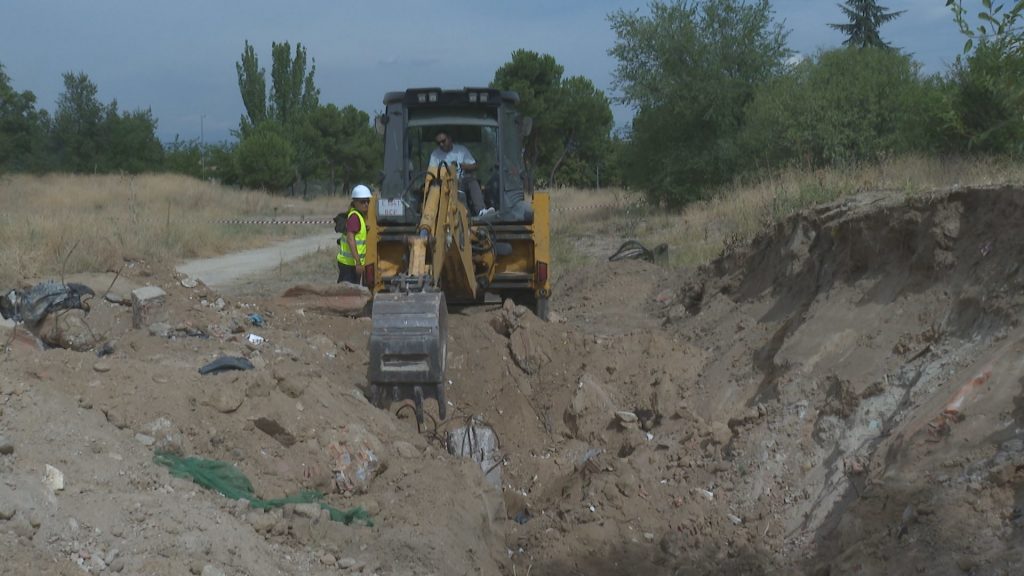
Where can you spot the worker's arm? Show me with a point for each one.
(351, 239)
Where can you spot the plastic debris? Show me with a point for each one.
(35, 304)
(229, 481)
(480, 443)
(226, 363)
(256, 320)
(255, 339)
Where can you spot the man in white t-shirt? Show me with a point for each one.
(460, 158)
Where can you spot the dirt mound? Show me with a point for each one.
(851, 328)
(843, 395)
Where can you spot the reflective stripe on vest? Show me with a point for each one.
(344, 255)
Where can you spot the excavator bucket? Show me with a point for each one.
(408, 344)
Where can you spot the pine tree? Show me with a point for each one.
(866, 17)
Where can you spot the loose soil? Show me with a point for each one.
(844, 395)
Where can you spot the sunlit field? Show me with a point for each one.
(698, 234)
(62, 224)
(58, 224)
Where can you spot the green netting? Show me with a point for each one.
(229, 481)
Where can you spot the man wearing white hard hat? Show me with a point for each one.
(352, 244)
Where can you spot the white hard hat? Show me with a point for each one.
(361, 191)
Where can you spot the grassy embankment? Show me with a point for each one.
(56, 223)
(699, 233)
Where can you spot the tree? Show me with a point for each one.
(265, 158)
(536, 78)
(988, 102)
(22, 129)
(585, 122)
(572, 118)
(252, 83)
(1003, 31)
(184, 157)
(688, 70)
(293, 96)
(866, 17)
(76, 124)
(293, 91)
(843, 106)
(128, 142)
(346, 146)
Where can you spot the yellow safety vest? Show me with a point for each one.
(344, 255)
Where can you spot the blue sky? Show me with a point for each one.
(178, 58)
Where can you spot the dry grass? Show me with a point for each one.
(736, 214)
(62, 223)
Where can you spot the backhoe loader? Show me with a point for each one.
(425, 250)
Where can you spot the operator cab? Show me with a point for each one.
(483, 120)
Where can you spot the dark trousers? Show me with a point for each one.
(470, 185)
(347, 274)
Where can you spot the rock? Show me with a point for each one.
(147, 306)
(211, 570)
(145, 439)
(67, 330)
(720, 433)
(102, 366)
(328, 559)
(307, 510)
(626, 417)
(347, 563)
(6, 446)
(168, 437)
(525, 352)
(332, 299)
(356, 456)
(53, 479)
(160, 329)
(7, 503)
(189, 282)
(588, 412)
(627, 484)
(117, 565)
(261, 521)
(322, 343)
(117, 298)
(406, 450)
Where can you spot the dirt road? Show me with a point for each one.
(227, 270)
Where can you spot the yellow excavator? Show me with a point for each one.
(424, 248)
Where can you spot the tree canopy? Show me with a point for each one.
(688, 70)
(865, 19)
(572, 118)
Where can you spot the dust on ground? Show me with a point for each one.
(842, 396)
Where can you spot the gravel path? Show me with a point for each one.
(223, 270)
